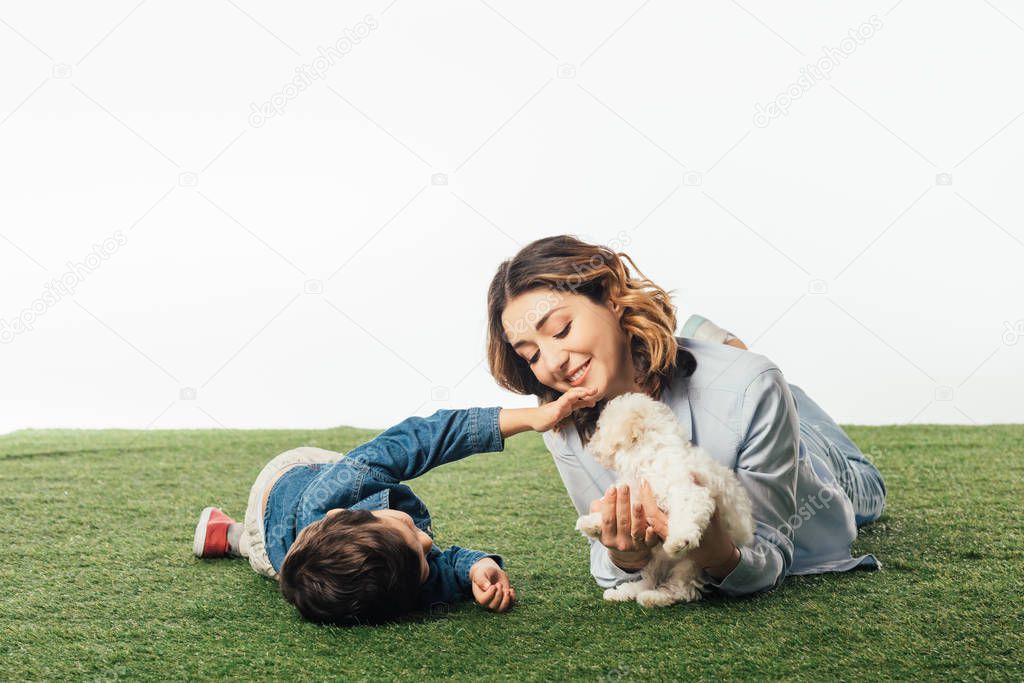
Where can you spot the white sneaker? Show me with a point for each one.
(699, 327)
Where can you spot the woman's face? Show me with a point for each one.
(569, 341)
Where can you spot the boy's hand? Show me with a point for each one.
(550, 414)
(542, 418)
(491, 589)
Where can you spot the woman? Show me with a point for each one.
(563, 314)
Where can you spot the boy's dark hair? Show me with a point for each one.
(349, 569)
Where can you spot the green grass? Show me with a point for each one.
(99, 581)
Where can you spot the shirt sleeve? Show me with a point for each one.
(584, 489)
(449, 580)
(581, 486)
(605, 572)
(767, 467)
(416, 445)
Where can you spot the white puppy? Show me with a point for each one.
(640, 438)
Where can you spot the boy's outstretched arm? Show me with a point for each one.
(542, 418)
(418, 444)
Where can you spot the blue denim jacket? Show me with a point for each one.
(370, 478)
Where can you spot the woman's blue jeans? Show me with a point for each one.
(855, 474)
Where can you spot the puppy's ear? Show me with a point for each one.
(634, 428)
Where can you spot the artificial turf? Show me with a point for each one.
(99, 581)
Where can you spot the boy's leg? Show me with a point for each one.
(253, 542)
(238, 541)
(856, 475)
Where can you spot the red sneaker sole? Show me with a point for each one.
(199, 540)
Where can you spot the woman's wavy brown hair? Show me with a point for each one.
(568, 265)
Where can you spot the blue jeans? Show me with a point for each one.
(855, 474)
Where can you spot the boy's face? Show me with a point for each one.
(416, 539)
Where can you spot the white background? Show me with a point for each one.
(828, 239)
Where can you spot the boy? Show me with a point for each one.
(349, 543)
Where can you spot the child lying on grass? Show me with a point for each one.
(349, 543)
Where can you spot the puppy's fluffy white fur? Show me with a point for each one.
(640, 438)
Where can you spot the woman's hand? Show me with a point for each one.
(717, 554)
(550, 414)
(624, 529)
(491, 587)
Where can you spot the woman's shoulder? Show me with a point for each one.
(718, 397)
(724, 367)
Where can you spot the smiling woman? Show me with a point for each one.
(621, 326)
(565, 315)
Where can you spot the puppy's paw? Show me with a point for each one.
(590, 525)
(655, 598)
(682, 541)
(677, 548)
(690, 593)
(618, 595)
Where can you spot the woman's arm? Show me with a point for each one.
(766, 465)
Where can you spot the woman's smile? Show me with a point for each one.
(569, 341)
(577, 377)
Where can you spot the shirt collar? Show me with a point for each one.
(378, 501)
(680, 404)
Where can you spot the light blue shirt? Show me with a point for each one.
(738, 407)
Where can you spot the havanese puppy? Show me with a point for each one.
(640, 438)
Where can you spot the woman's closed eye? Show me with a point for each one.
(560, 335)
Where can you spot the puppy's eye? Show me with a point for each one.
(565, 331)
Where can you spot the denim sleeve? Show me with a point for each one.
(461, 561)
(449, 576)
(416, 445)
(767, 467)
